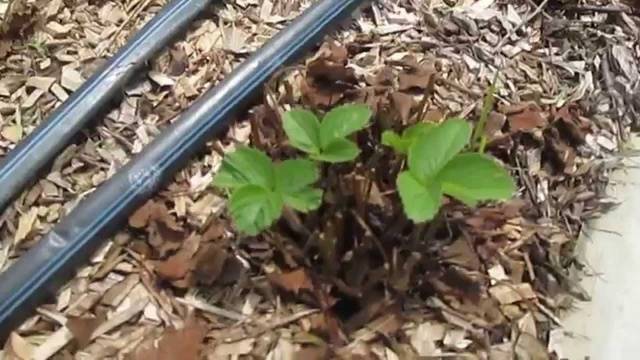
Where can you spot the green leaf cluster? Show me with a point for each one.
(259, 188)
(327, 140)
(436, 167)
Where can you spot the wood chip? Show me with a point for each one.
(12, 133)
(71, 79)
(41, 82)
(59, 92)
(509, 294)
(161, 79)
(53, 344)
(58, 29)
(25, 225)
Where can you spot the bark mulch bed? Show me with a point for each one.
(489, 282)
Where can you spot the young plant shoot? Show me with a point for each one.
(436, 168)
(259, 188)
(326, 140)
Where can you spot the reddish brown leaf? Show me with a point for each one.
(383, 77)
(293, 281)
(174, 268)
(184, 344)
(210, 261)
(140, 217)
(323, 69)
(421, 79)
(312, 353)
(495, 123)
(82, 328)
(433, 116)
(570, 124)
(318, 96)
(402, 103)
(177, 266)
(214, 231)
(179, 61)
(529, 119)
(152, 211)
(333, 51)
(462, 254)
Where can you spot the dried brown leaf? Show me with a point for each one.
(527, 120)
(293, 281)
(422, 79)
(210, 261)
(403, 103)
(82, 328)
(185, 343)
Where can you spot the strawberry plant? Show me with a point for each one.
(259, 188)
(436, 167)
(326, 140)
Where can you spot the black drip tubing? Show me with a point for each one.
(48, 264)
(21, 166)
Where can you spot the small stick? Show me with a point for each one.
(215, 310)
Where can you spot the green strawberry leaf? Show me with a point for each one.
(303, 130)
(401, 144)
(295, 174)
(254, 208)
(431, 151)
(293, 178)
(474, 177)
(304, 200)
(420, 202)
(245, 166)
(391, 139)
(343, 121)
(340, 150)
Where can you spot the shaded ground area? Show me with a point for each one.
(179, 282)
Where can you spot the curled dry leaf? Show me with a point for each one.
(403, 103)
(185, 343)
(292, 281)
(82, 328)
(421, 79)
(327, 76)
(152, 211)
(210, 262)
(180, 264)
(530, 118)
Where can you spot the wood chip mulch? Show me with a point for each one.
(178, 282)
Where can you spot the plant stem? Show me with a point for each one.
(479, 139)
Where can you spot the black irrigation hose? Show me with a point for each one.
(21, 165)
(53, 259)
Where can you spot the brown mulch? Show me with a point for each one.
(179, 282)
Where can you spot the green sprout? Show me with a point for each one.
(259, 189)
(436, 167)
(327, 140)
